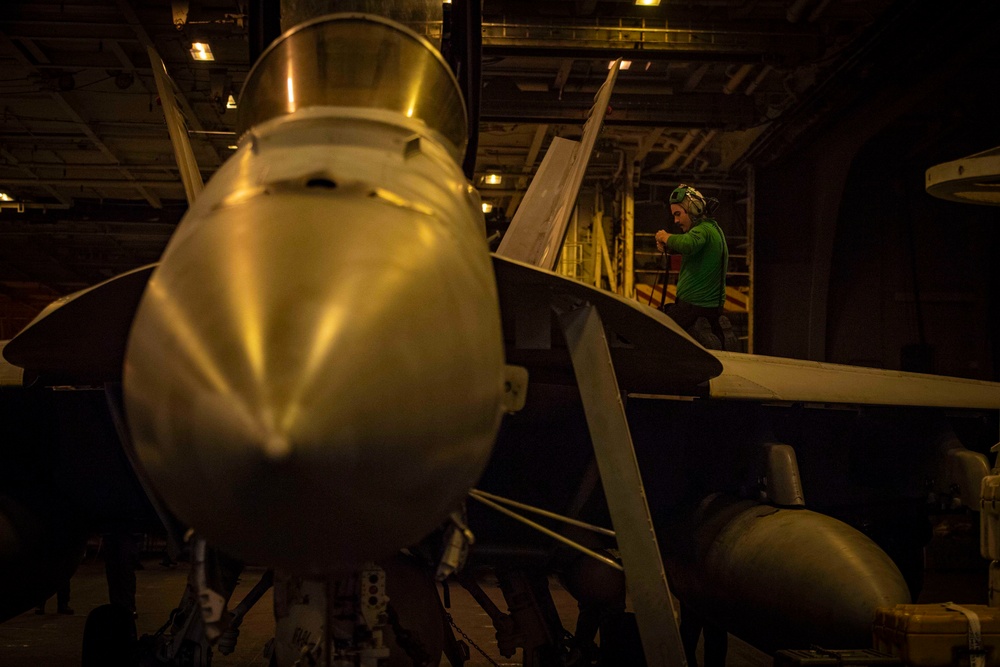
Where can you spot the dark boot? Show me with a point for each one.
(730, 343)
(701, 331)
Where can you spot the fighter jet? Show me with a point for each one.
(316, 375)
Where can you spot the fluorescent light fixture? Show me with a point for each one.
(625, 64)
(5, 197)
(231, 102)
(232, 147)
(201, 51)
(647, 3)
(487, 207)
(492, 178)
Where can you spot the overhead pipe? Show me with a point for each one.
(795, 10)
(693, 154)
(758, 79)
(676, 155)
(736, 79)
(820, 8)
(695, 77)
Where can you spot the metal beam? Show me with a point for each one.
(504, 104)
(608, 38)
(78, 120)
(95, 183)
(35, 180)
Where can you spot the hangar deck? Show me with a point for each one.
(53, 640)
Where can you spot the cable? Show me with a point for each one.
(666, 276)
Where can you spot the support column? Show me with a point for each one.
(628, 213)
(597, 235)
(751, 203)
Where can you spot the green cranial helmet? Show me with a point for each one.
(690, 199)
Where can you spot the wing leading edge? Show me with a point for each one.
(81, 337)
(650, 352)
(762, 378)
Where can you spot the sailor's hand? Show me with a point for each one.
(661, 240)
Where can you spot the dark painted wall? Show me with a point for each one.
(848, 244)
(912, 283)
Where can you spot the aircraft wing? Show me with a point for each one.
(81, 337)
(650, 352)
(762, 378)
(652, 355)
(536, 233)
(176, 127)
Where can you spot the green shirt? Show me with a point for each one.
(705, 258)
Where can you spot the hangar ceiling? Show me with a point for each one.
(712, 86)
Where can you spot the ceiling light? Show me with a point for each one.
(231, 102)
(625, 64)
(487, 207)
(5, 197)
(647, 3)
(232, 147)
(201, 51)
(492, 178)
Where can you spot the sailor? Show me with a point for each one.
(701, 284)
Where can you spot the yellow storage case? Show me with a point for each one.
(939, 635)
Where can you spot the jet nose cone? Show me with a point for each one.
(312, 381)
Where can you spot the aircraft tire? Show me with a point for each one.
(109, 638)
(620, 641)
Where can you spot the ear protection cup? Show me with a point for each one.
(696, 205)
